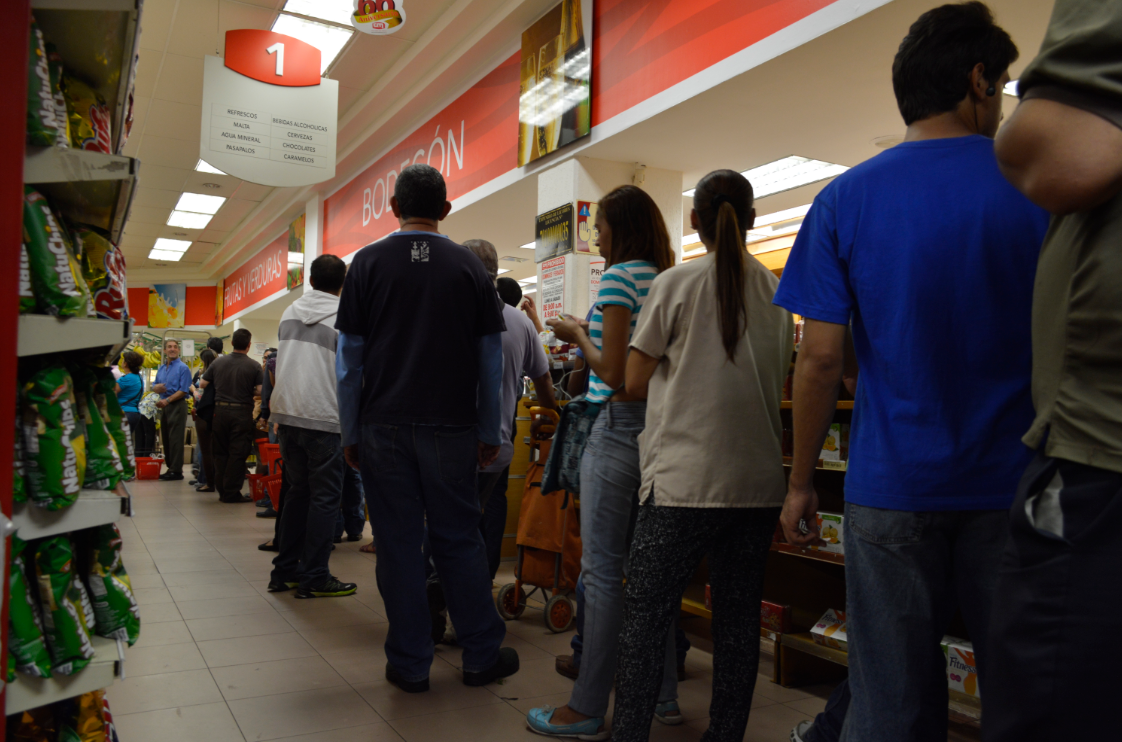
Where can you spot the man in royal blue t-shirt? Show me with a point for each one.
(931, 255)
(419, 367)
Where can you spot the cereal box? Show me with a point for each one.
(831, 529)
(962, 673)
(775, 617)
(836, 447)
(830, 630)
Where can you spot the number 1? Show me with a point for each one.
(279, 49)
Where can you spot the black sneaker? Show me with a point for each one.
(169, 477)
(505, 666)
(354, 537)
(409, 686)
(331, 588)
(435, 593)
(264, 502)
(276, 586)
(267, 513)
(337, 540)
(235, 498)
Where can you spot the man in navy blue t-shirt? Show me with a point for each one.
(419, 367)
(930, 254)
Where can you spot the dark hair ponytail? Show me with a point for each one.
(723, 200)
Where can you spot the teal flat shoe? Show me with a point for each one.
(540, 722)
(669, 713)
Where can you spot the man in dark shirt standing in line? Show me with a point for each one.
(236, 378)
(414, 303)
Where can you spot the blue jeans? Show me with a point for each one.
(828, 724)
(418, 474)
(493, 526)
(351, 518)
(905, 574)
(313, 471)
(610, 479)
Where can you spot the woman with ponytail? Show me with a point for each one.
(636, 246)
(710, 354)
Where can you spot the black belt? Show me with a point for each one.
(233, 404)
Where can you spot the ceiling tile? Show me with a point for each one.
(347, 97)
(136, 242)
(163, 178)
(142, 229)
(147, 72)
(155, 198)
(213, 235)
(232, 212)
(421, 16)
(155, 22)
(132, 146)
(227, 184)
(367, 59)
(157, 149)
(181, 80)
(139, 117)
(180, 233)
(148, 215)
(175, 121)
(236, 14)
(252, 191)
(195, 33)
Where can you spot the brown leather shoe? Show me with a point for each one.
(564, 666)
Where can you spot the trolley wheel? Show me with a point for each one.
(559, 614)
(511, 601)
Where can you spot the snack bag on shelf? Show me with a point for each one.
(42, 121)
(19, 474)
(68, 635)
(117, 614)
(55, 451)
(110, 727)
(103, 460)
(103, 268)
(54, 61)
(117, 421)
(34, 725)
(26, 293)
(830, 630)
(56, 277)
(27, 649)
(88, 116)
(82, 718)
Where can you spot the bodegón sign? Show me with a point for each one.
(268, 117)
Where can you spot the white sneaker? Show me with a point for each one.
(798, 734)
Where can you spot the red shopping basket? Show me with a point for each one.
(269, 454)
(267, 485)
(148, 468)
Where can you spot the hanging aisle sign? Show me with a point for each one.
(378, 17)
(268, 117)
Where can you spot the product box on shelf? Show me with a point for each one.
(836, 447)
(830, 630)
(708, 598)
(831, 527)
(775, 617)
(962, 673)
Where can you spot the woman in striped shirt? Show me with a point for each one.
(635, 244)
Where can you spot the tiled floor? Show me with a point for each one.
(222, 660)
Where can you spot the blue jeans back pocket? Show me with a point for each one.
(879, 526)
(457, 452)
(378, 447)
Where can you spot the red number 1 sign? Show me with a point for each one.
(272, 57)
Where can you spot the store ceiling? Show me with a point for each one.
(828, 99)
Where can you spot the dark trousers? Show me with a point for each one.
(828, 724)
(313, 471)
(1053, 667)
(231, 440)
(415, 474)
(143, 434)
(668, 546)
(492, 499)
(205, 444)
(351, 518)
(173, 429)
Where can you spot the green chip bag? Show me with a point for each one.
(42, 118)
(64, 616)
(26, 293)
(56, 276)
(115, 608)
(27, 650)
(54, 62)
(19, 474)
(116, 420)
(103, 460)
(55, 451)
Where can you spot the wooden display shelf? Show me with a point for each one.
(844, 404)
(802, 551)
(693, 602)
(27, 692)
(822, 464)
(804, 642)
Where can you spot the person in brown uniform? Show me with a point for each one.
(236, 378)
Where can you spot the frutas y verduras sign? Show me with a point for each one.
(257, 279)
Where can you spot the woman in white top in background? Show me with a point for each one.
(710, 352)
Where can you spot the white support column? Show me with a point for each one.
(313, 232)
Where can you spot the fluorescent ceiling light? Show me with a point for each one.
(164, 244)
(528, 281)
(336, 11)
(530, 291)
(197, 203)
(189, 220)
(165, 255)
(528, 246)
(205, 167)
(504, 270)
(296, 258)
(787, 173)
(330, 40)
(1011, 88)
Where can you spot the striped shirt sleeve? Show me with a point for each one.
(617, 286)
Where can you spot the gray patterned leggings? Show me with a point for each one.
(669, 544)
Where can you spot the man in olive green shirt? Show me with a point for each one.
(1052, 661)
